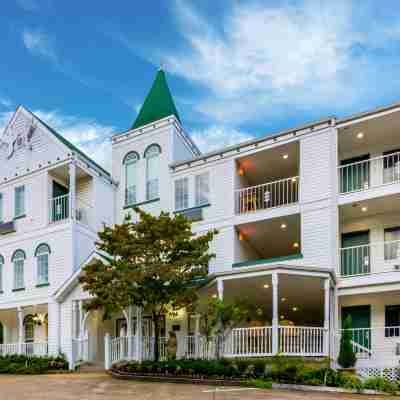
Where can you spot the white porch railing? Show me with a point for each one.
(369, 173)
(303, 341)
(38, 349)
(59, 208)
(249, 342)
(148, 348)
(375, 346)
(267, 195)
(369, 258)
(80, 351)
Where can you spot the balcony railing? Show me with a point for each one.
(373, 172)
(59, 209)
(369, 258)
(267, 195)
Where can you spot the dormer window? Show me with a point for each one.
(152, 156)
(130, 162)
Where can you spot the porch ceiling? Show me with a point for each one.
(269, 165)
(380, 205)
(269, 239)
(379, 132)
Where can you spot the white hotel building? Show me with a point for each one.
(308, 221)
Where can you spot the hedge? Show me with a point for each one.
(21, 364)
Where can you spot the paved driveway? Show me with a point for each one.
(98, 386)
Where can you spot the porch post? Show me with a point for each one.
(107, 358)
(327, 288)
(220, 288)
(275, 313)
(72, 189)
(139, 339)
(81, 328)
(20, 318)
(128, 317)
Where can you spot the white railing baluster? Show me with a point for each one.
(267, 195)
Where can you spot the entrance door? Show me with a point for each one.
(1, 333)
(360, 323)
(355, 255)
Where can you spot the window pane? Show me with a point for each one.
(392, 243)
(18, 274)
(19, 201)
(1, 207)
(130, 190)
(43, 268)
(392, 320)
(1, 277)
(152, 177)
(181, 194)
(202, 189)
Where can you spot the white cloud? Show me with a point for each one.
(39, 43)
(263, 56)
(5, 102)
(87, 134)
(216, 137)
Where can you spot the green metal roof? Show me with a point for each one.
(158, 103)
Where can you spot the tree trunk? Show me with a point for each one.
(156, 321)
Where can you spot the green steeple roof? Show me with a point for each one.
(158, 103)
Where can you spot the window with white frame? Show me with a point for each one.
(181, 193)
(18, 260)
(42, 262)
(202, 189)
(130, 163)
(1, 273)
(152, 156)
(19, 202)
(392, 243)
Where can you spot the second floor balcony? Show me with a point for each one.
(60, 210)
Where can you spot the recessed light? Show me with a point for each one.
(360, 135)
(295, 309)
(266, 286)
(283, 299)
(364, 209)
(283, 226)
(285, 156)
(295, 245)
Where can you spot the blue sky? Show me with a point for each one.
(237, 69)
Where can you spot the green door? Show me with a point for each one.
(354, 174)
(355, 254)
(360, 323)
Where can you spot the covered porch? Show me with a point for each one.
(290, 315)
(24, 330)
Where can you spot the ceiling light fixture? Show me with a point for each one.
(295, 245)
(283, 299)
(295, 309)
(285, 156)
(283, 226)
(364, 209)
(266, 286)
(360, 135)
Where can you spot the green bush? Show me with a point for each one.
(349, 381)
(380, 384)
(260, 383)
(20, 364)
(347, 358)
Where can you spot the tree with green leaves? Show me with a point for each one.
(347, 357)
(155, 263)
(218, 318)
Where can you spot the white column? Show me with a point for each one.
(128, 316)
(275, 313)
(72, 189)
(139, 338)
(20, 319)
(107, 358)
(53, 334)
(220, 288)
(81, 316)
(327, 287)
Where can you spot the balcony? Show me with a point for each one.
(369, 173)
(59, 210)
(268, 179)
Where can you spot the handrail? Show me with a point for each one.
(369, 160)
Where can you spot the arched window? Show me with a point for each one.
(152, 156)
(42, 262)
(29, 329)
(1, 273)
(18, 260)
(130, 162)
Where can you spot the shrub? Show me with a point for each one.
(20, 364)
(347, 358)
(349, 381)
(380, 384)
(260, 383)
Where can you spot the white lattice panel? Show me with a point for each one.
(391, 373)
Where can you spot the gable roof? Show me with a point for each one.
(68, 143)
(158, 103)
